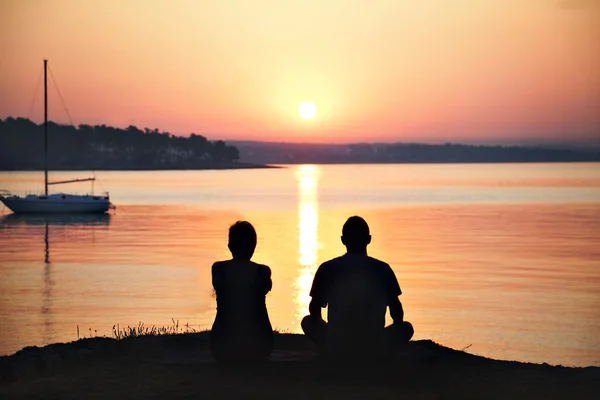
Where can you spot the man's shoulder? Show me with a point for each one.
(378, 263)
(332, 263)
(352, 259)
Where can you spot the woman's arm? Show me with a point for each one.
(216, 276)
(266, 284)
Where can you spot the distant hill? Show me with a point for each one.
(105, 147)
(298, 153)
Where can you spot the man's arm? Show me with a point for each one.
(314, 308)
(396, 310)
(318, 293)
(393, 291)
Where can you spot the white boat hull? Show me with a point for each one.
(57, 204)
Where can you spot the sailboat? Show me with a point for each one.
(56, 202)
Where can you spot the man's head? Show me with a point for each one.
(242, 240)
(355, 235)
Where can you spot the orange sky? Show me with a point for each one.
(378, 70)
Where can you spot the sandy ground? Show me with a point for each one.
(180, 366)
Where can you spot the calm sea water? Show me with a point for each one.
(502, 258)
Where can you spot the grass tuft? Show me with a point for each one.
(142, 330)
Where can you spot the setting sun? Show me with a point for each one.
(307, 110)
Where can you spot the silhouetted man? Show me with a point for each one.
(357, 289)
(242, 330)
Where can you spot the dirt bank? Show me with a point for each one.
(177, 366)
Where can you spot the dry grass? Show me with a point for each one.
(153, 330)
(143, 330)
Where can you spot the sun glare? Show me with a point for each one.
(307, 110)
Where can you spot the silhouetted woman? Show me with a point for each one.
(242, 330)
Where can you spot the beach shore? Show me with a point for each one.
(176, 366)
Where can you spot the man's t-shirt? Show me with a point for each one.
(357, 290)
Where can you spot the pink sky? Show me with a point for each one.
(381, 70)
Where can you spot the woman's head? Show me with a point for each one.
(242, 240)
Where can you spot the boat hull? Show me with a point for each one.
(57, 204)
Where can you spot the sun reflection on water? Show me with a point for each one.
(308, 223)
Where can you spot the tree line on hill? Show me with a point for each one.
(105, 147)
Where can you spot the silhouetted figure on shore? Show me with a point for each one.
(242, 330)
(357, 290)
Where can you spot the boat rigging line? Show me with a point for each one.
(37, 87)
(64, 104)
(60, 96)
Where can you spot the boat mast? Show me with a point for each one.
(45, 130)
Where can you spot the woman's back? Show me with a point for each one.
(242, 328)
(241, 288)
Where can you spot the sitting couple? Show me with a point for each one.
(356, 288)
